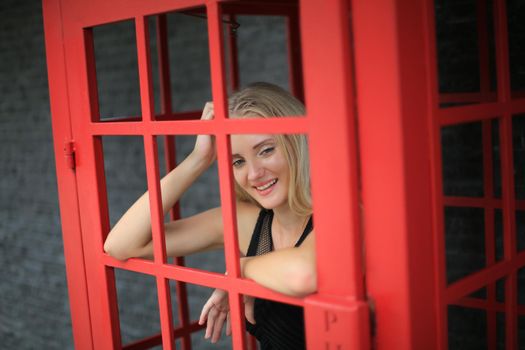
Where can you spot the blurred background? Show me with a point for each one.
(34, 306)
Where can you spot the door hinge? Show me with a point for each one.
(69, 154)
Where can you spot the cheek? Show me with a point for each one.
(281, 166)
(237, 176)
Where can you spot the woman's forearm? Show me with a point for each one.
(133, 230)
(290, 271)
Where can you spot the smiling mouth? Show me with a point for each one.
(266, 186)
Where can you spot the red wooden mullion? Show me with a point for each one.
(170, 161)
(329, 97)
(231, 245)
(490, 251)
(66, 178)
(477, 280)
(292, 125)
(507, 168)
(476, 303)
(99, 12)
(472, 202)
(462, 114)
(92, 188)
(392, 65)
(206, 279)
(100, 284)
(437, 180)
(331, 103)
(152, 171)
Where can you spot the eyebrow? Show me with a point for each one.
(256, 146)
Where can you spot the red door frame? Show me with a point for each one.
(393, 86)
(405, 246)
(70, 50)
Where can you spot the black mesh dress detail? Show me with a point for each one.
(277, 326)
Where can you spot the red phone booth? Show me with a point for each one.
(368, 73)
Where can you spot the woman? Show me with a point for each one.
(274, 221)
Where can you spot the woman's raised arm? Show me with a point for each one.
(131, 236)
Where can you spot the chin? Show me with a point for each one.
(271, 204)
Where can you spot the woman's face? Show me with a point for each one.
(260, 168)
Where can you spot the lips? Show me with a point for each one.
(266, 187)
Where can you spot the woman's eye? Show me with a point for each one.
(237, 163)
(267, 150)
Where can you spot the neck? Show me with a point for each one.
(287, 221)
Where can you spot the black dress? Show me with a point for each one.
(277, 326)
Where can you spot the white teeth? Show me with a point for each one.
(262, 188)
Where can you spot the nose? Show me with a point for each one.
(255, 171)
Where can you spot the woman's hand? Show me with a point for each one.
(216, 312)
(204, 149)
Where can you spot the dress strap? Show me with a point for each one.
(258, 232)
(309, 227)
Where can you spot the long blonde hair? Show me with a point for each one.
(264, 100)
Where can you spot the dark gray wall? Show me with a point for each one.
(33, 298)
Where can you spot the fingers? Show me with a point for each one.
(212, 315)
(205, 310)
(215, 323)
(217, 327)
(248, 309)
(228, 325)
(207, 112)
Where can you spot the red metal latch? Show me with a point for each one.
(337, 324)
(69, 153)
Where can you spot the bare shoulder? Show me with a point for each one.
(247, 214)
(309, 241)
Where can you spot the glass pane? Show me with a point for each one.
(267, 53)
(117, 70)
(500, 331)
(520, 230)
(521, 332)
(465, 49)
(137, 319)
(188, 64)
(125, 170)
(500, 290)
(479, 294)
(518, 147)
(462, 154)
(521, 286)
(264, 59)
(516, 19)
(498, 234)
(464, 241)
(467, 328)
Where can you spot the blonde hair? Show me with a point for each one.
(264, 100)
